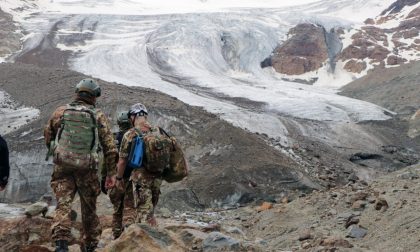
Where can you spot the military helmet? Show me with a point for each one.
(137, 109)
(123, 118)
(90, 86)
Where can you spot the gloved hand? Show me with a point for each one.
(103, 188)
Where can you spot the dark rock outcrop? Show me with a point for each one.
(305, 51)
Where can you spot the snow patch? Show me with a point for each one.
(13, 115)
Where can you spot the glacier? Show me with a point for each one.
(205, 53)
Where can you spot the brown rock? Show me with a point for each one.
(335, 241)
(265, 206)
(359, 196)
(304, 51)
(359, 205)
(381, 204)
(355, 66)
(211, 227)
(305, 235)
(414, 13)
(395, 60)
(144, 238)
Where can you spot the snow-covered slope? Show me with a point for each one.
(208, 56)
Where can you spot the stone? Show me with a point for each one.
(164, 212)
(218, 241)
(358, 205)
(361, 195)
(265, 206)
(335, 241)
(36, 209)
(50, 212)
(381, 204)
(395, 60)
(408, 175)
(357, 232)
(141, 237)
(211, 227)
(306, 245)
(355, 66)
(234, 230)
(192, 237)
(305, 235)
(369, 21)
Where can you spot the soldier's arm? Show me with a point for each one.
(123, 154)
(106, 139)
(50, 130)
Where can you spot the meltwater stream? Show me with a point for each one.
(208, 59)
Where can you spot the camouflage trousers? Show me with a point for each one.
(65, 185)
(123, 207)
(146, 190)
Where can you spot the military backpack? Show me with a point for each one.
(76, 143)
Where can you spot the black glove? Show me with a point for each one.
(103, 189)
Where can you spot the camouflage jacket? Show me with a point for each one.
(106, 138)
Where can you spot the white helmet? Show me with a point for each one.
(137, 109)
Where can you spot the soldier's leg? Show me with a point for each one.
(142, 189)
(129, 210)
(156, 191)
(64, 188)
(117, 199)
(89, 189)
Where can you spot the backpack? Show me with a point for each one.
(76, 143)
(178, 166)
(158, 148)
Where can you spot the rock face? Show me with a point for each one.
(305, 51)
(9, 39)
(387, 40)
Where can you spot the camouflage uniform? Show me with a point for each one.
(122, 199)
(146, 186)
(65, 184)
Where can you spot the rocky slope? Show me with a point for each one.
(360, 216)
(222, 168)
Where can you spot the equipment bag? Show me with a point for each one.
(77, 139)
(135, 159)
(158, 148)
(178, 167)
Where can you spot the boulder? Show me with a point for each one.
(335, 241)
(304, 51)
(36, 209)
(355, 66)
(141, 237)
(355, 231)
(219, 242)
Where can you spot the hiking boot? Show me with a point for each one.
(61, 246)
(90, 248)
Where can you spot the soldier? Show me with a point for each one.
(73, 135)
(146, 184)
(121, 198)
(4, 164)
